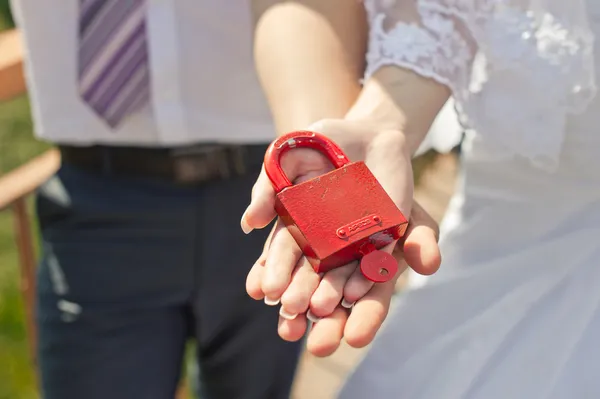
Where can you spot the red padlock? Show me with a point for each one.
(338, 217)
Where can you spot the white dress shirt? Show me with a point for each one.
(203, 82)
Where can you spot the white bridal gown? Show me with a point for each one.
(514, 313)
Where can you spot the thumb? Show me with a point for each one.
(261, 210)
(419, 247)
(298, 165)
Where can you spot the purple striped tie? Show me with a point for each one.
(113, 57)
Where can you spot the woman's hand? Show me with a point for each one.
(283, 275)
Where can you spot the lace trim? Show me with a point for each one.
(531, 69)
(438, 52)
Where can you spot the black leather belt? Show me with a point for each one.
(187, 165)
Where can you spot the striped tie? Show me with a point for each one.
(113, 57)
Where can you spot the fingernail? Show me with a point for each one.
(245, 226)
(272, 302)
(311, 316)
(286, 315)
(346, 304)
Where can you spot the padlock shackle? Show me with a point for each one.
(299, 139)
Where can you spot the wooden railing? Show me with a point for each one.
(18, 184)
(12, 82)
(15, 187)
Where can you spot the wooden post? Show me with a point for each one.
(24, 241)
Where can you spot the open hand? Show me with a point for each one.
(283, 275)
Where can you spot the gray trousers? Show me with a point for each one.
(131, 269)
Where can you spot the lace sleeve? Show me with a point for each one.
(516, 68)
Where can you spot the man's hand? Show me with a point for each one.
(283, 274)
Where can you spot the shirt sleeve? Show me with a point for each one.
(421, 36)
(529, 59)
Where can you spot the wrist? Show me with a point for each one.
(398, 99)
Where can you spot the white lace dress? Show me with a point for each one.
(514, 313)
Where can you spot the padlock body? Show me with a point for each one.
(334, 215)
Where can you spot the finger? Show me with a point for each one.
(261, 210)
(330, 291)
(368, 315)
(356, 287)
(326, 335)
(420, 247)
(297, 165)
(292, 330)
(254, 281)
(254, 278)
(282, 257)
(296, 298)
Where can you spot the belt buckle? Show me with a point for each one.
(197, 164)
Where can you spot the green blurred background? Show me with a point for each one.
(17, 145)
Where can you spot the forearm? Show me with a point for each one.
(398, 99)
(407, 36)
(309, 56)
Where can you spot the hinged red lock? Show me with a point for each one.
(338, 217)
